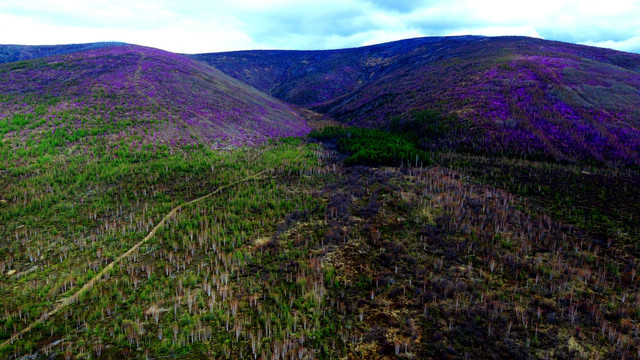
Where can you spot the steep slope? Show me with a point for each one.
(11, 53)
(310, 78)
(152, 96)
(509, 95)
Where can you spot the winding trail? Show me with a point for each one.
(62, 303)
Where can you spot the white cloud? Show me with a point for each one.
(382, 36)
(526, 30)
(206, 25)
(183, 36)
(629, 45)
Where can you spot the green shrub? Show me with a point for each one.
(373, 147)
(426, 125)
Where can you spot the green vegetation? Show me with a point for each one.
(123, 239)
(308, 258)
(72, 215)
(603, 201)
(373, 147)
(426, 126)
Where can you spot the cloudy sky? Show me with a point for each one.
(212, 25)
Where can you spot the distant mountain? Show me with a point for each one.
(11, 53)
(518, 96)
(310, 78)
(135, 92)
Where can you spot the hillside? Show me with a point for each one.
(12, 53)
(310, 78)
(130, 92)
(514, 96)
(282, 251)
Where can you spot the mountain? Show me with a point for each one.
(310, 78)
(11, 53)
(133, 226)
(518, 96)
(135, 92)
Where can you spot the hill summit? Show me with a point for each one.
(133, 91)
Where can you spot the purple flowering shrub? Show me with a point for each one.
(156, 97)
(530, 106)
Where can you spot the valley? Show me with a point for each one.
(449, 198)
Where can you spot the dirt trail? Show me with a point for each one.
(61, 304)
(137, 74)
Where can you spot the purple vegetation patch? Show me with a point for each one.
(164, 97)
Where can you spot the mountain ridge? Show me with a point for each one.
(293, 64)
(15, 52)
(522, 96)
(515, 96)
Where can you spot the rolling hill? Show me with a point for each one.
(12, 53)
(517, 96)
(132, 92)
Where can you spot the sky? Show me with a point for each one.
(201, 26)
